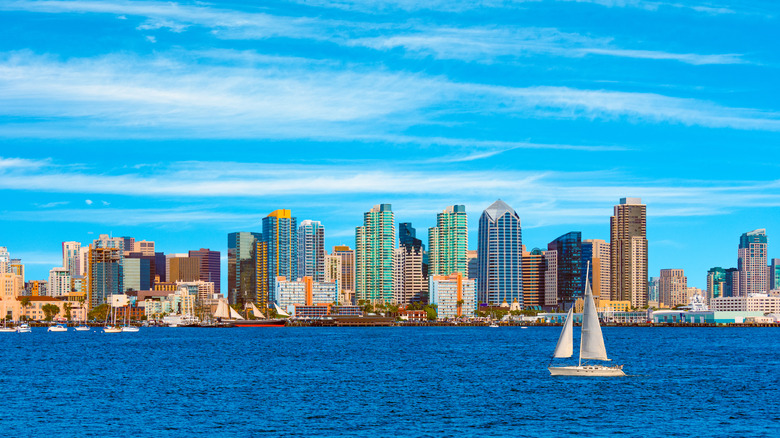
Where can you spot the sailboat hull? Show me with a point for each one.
(588, 371)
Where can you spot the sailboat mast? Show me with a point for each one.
(582, 321)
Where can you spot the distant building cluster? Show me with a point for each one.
(108, 267)
(390, 265)
(286, 266)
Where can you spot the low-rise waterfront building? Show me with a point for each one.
(454, 295)
(304, 292)
(750, 303)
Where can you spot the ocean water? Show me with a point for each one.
(384, 382)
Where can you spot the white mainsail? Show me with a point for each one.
(565, 347)
(592, 344)
(222, 310)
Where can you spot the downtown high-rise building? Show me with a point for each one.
(774, 274)
(311, 250)
(241, 282)
(595, 252)
(722, 283)
(347, 278)
(278, 253)
(499, 252)
(628, 252)
(570, 273)
(70, 257)
(59, 282)
(410, 280)
(673, 287)
(209, 266)
(752, 263)
(533, 266)
(448, 242)
(105, 274)
(374, 255)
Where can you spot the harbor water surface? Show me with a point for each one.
(382, 382)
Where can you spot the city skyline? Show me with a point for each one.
(183, 122)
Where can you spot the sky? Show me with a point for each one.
(180, 122)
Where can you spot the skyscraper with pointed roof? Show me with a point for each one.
(500, 249)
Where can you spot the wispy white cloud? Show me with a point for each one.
(52, 204)
(136, 216)
(88, 201)
(469, 44)
(122, 96)
(384, 6)
(21, 163)
(496, 44)
(247, 180)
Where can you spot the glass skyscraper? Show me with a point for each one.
(241, 266)
(280, 238)
(311, 250)
(570, 272)
(374, 255)
(448, 242)
(499, 254)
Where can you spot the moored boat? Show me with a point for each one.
(57, 328)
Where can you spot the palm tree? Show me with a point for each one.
(25, 302)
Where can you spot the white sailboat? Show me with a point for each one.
(84, 327)
(112, 328)
(591, 343)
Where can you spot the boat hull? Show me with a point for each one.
(588, 371)
(260, 323)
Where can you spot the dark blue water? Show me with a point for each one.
(379, 382)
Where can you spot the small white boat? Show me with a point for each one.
(493, 325)
(523, 327)
(57, 328)
(82, 328)
(24, 328)
(130, 329)
(591, 343)
(111, 329)
(6, 329)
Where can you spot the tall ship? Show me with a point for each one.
(226, 314)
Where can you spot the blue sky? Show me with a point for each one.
(180, 122)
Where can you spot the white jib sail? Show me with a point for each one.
(256, 311)
(565, 347)
(279, 311)
(234, 314)
(592, 346)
